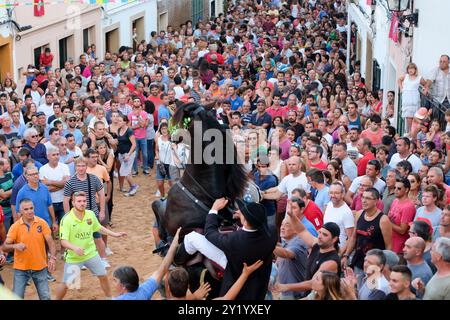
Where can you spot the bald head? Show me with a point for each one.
(418, 243)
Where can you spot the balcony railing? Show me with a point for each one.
(426, 101)
(438, 108)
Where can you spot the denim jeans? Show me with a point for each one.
(8, 221)
(40, 281)
(141, 145)
(151, 153)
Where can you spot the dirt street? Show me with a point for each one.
(132, 215)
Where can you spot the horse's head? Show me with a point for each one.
(203, 127)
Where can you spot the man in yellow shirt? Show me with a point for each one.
(27, 237)
(76, 234)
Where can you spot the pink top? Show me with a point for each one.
(401, 212)
(357, 203)
(139, 133)
(284, 147)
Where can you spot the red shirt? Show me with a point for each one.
(280, 112)
(313, 213)
(322, 165)
(156, 101)
(46, 60)
(363, 163)
(401, 212)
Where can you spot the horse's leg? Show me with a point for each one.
(159, 209)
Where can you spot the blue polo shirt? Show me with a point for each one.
(41, 200)
(144, 292)
(265, 118)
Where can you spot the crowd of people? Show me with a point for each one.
(351, 207)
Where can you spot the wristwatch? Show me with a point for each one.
(345, 255)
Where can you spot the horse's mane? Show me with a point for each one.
(236, 176)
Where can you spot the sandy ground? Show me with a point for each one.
(132, 215)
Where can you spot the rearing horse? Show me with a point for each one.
(190, 199)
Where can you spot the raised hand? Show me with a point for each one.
(248, 270)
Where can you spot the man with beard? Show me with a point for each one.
(71, 121)
(292, 123)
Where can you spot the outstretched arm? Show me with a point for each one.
(167, 261)
(237, 286)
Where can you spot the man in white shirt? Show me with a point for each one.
(338, 211)
(403, 153)
(54, 175)
(47, 107)
(295, 179)
(372, 172)
(54, 135)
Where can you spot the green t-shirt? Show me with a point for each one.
(79, 233)
(6, 184)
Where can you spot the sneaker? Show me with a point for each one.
(50, 278)
(108, 251)
(146, 172)
(83, 268)
(115, 174)
(28, 282)
(134, 174)
(106, 263)
(133, 190)
(158, 194)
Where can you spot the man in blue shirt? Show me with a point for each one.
(39, 194)
(37, 150)
(236, 100)
(23, 154)
(126, 279)
(260, 119)
(163, 111)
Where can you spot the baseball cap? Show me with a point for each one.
(40, 113)
(70, 116)
(421, 113)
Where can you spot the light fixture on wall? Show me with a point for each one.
(401, 6)
(16, 25)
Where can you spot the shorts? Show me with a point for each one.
(126, 166)
(95, 265)
(166, 176)
(409, 111)
(97, 235)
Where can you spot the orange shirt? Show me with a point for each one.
(34, 256)
(374, 137)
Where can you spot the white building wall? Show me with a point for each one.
(119, 13)
(362, 21)
(431, 37)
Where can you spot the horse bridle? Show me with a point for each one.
(200, 203)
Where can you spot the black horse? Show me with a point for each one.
(190, 199)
